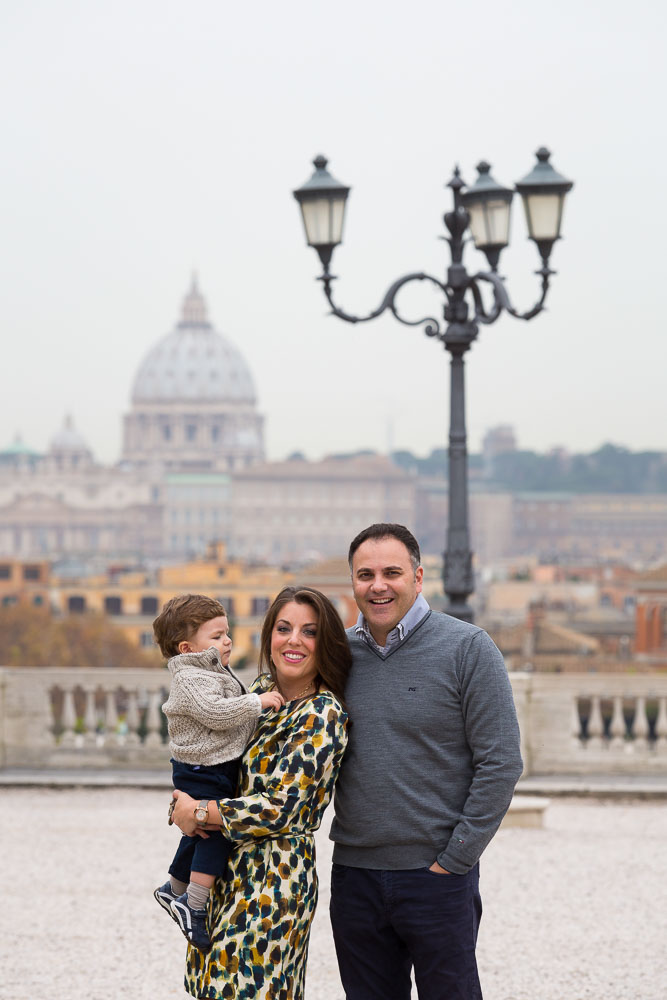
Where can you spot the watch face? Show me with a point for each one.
(201, 815)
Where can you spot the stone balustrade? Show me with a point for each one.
(58, 718)
(95, 718)
(593, 723)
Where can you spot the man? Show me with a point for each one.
(432, 761)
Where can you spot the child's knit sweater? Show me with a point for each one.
(210, 715)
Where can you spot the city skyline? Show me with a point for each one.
(146, 141)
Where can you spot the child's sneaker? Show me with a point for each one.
(165, 897)
(192, 922)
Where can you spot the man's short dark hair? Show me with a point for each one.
(378, 531)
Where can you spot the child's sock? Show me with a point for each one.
(198, 896)
(177, 887)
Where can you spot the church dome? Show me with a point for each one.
(68, 439)
(193, 362)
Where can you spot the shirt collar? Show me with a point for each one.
(410, 619)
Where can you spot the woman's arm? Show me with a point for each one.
(183, 814)
(309, 760)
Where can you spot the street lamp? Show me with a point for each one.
(484, 208)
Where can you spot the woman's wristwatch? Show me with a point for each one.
(201, 812)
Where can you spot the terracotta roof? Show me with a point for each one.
(657, 575)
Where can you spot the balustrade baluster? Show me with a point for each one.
(110, 718)
(132, 738)
(68, 738)
(617, 728)
(153, 720)
(90, 718)
(640, 725)
(661, 726)
(575, 724)
(595, 724)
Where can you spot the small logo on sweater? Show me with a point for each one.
(412, 689)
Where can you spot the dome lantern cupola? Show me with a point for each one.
(194, 308)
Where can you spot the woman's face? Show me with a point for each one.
(294, 644)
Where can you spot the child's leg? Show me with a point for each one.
(180, 867)
(177, 887)
(199, 889)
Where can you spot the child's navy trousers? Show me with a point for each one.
(196, 854)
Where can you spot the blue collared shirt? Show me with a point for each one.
(409, 620)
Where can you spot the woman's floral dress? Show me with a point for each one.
(260, 914)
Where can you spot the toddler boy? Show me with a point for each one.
(211, 718)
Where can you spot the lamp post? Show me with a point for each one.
(484, 208)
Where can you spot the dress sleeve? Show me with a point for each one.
(295, 795)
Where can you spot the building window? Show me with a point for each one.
(113, 605)
(190, 432)
(31, 572)
(5, 571)
(260, 605)
(215, 433)
(38, 600)
(76, 604)
(147, 640)
(228, 605)
(166, 432)
(149, 605)
(9, 601)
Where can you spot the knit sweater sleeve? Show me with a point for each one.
(492, 733)
(301, 782)
(207, 705)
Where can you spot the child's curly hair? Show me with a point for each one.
(181, 617)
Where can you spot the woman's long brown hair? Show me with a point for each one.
(332, 652)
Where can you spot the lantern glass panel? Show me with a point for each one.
(477, 223)
(490, 222)
(543, 215)
(497, 221)
(323, 220)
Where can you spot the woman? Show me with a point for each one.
(260, 913)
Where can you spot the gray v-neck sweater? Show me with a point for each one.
(433, 751)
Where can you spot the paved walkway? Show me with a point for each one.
(595, 785)
(574, 911)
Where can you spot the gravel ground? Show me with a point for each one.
(577, 910)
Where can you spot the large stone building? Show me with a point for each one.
(64, 503)
(303, 511)
(192, 471)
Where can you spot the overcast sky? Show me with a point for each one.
(143, 139)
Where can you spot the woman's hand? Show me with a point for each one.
(183, 814)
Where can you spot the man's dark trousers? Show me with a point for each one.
(387, 922)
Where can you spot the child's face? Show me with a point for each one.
(212, 633)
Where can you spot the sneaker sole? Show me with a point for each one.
(165, 903)
(181, 915)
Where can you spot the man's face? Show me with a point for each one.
(384, 583)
